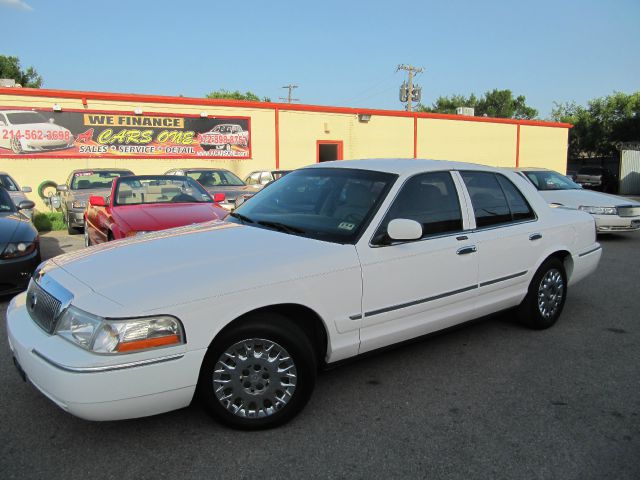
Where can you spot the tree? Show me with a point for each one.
(10, 68)
(602, 125)
(495, 103)
(237, 95)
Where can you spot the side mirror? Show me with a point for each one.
(96, 201)
(26, 189)
(26, 205)
(62, 188)
(219, 197)
(404, 229)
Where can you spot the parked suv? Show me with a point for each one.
(597, 178)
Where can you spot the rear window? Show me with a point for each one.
(93, 180)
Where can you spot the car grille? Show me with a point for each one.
(43, 307)
(629, 211)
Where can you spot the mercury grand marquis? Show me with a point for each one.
(329, 262)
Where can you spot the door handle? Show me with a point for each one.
(467, 249)
(535, 236)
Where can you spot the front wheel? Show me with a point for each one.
(259, 374)
(545, 299)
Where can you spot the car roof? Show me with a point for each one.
(404, 166)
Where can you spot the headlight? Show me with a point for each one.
(599, 210)
(19, 249)
(101, 335)
(78, 204)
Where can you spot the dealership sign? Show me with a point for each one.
(39, 132)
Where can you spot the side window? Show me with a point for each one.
(495, 199)
(520, 209)
(430, 199)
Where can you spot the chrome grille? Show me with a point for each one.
(629, 211)
(43, 307)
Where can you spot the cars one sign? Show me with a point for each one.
(72, 134)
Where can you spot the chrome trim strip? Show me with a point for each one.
(418, 302)
(502, 279)
(590, 251)
(107, 368)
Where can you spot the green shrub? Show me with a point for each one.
(48, 221)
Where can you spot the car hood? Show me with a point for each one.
(165, 215)
(192, 263)
(15, 228)
(576, 198)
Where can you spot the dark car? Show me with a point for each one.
(19, 245)
(224, 186)
(81, 184)
(597, 178)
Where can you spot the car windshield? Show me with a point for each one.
(150, 189)
(93, 180)
(548, 180)
(6, 204)
(223, 128)
(7, 182)
(331, 204)
(215, 178)
(22, 118)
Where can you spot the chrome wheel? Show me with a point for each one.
(16, 146)
(550, 293)
(254, 378)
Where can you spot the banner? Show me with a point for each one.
(72, 134)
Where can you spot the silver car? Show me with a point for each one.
(16, 193)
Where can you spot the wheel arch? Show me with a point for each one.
(304, 317)
(567, 260)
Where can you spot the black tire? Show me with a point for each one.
(254, 383)
(547, 294)
(70, 230)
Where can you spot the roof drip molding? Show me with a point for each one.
(140, 98)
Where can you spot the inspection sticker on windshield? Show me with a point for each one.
(347, 226)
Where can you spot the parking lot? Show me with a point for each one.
(487, 400)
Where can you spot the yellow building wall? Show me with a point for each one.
(544, 147)
(491, 144)
(383, 136)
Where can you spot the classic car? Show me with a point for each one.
(145, 203)
(16, 193)
(224, 186)
(27, 131)
(19, 244)
(259, 178)
(80, 185)
(327, 263)
(611, 213)
(224, 136)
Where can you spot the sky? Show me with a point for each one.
(339, 52)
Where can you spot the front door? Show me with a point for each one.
(416, 287)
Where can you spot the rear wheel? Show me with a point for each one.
(259, 374)
(545, 299)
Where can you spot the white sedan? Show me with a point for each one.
(25, 131)
(327, 263)
(612, 213)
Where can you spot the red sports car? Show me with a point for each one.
(146, 203)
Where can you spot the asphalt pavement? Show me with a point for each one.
(490, 400)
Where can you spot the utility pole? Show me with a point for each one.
(289, 99)
(407, 92)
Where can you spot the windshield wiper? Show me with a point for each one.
(281, 227)
(241, 217)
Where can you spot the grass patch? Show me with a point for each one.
(48, 221)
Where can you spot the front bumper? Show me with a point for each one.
(100, 387)
(15, 273)
(76, 218)
(614, 223)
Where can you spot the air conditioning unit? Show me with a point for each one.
(8, 83)
(468, 111)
